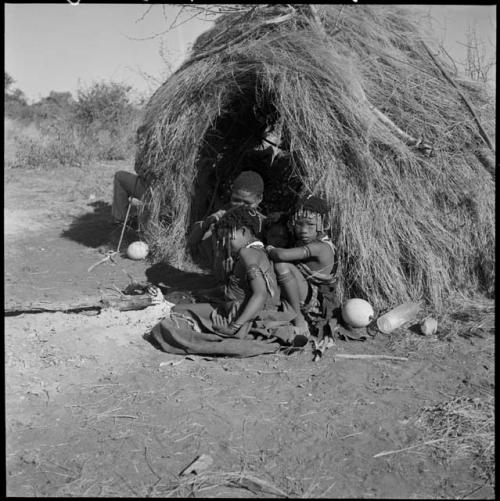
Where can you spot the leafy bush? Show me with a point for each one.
(15, 102)
(106, 116)
(59, 130)
(106, 104)
(56, 107)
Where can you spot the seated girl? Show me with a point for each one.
(250, 291)
(302, 268)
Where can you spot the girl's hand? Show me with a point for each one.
(271, 252)
(229, 330)
(213, 218)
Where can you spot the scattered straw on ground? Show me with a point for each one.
(463, 427)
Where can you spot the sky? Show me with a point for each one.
(63, 47)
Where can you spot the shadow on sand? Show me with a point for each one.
(171, 279)
(95, 229)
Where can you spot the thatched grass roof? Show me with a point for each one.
(406, 225)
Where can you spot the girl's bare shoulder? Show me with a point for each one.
(250, 255)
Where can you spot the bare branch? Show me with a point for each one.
(338, 18)
(185, 21)
(482, 132)
(177, 17)
(445, 52)
(247, 13)
(152, 37)
(238, 39)
(144, 15)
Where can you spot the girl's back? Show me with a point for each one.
(252, 261)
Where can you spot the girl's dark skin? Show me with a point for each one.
(247, 257)
(318, 257)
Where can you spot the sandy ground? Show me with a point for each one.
(92, 409)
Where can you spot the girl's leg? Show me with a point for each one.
(201, 309)
(294, 287)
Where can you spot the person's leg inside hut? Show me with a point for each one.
(125, 185)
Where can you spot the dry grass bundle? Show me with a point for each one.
(194, 485)
(463, 428)
(468, 317)
(406, 226)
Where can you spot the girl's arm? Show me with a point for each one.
(313, 250)
(256, 302)
(200, 228)
(258, 294)
(195, 234)
(287, 255)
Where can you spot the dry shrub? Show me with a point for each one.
(465, 428)
(467, 317)
(60, 144)
(406, 226)
(34, 148)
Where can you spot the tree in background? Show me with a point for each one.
(105, 104)
(8, 81)
(105, 113)
(99, 124)
(55, 110)
(16, 105)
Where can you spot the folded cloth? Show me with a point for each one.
(181, 341)
(190, 330)
(351, 333)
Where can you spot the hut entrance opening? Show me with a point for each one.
(247, 135)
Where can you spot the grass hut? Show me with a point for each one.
(369, 117)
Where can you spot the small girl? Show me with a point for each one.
(250, 290)
(251, 285)
(307, 265)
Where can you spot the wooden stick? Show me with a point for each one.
(362, 357)
(482, 132)
(200, 464)
(103, 260)
(407, 138)
(124, 225)
(317, 20)
(258, 486)
(387, 453)
(130, 303)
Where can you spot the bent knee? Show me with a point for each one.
(281, 268)
(180, 308)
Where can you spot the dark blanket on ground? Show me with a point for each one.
(191, 332)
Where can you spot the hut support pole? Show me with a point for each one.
(315, 16)
(427, 149)
(409, 140)
(482, 132)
